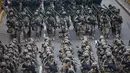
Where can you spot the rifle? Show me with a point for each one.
(71, 9)
(108, 9)
(56, 12)
(29, 10)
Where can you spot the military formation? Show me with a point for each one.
(114, 57)
(87, 59)
(57, 18)
(14, 56)
(85, 19)
(47, 57)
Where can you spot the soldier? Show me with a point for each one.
(25, 30)
(126, 61)
(4, 68)
(2, 47)
(63, 21)
(51, 25)
(116, 23)
(117, 40)
(11, 27)
(86, 62)
(78, 24)
(52, 64)
(64, 32)
(91, 22)
(105, 26)
(110, 63)
(37, 24)
(67, 19)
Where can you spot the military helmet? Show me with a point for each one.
(109, 53)
(66, 37)
(6, 57)
(51, 55)
(14, 40)
(94, 64)
(23, 13)
(105, 46)
(67, 59)
(88, 47)
(128, 49)
(25, 51)
(74, 7)
(104, 42)
(9, 54)
(118, 36)
(101, 37)
(110, 6)
(69, 55)
(48, 13)
(3, 64)
(85, 38)
(126, 53)
(27, 56)
(85, 54)
(46, 39)
(11, 12)
(90, 11)
(78, 11)
(29, 53)
(36, 13)
(64, 13)
(83, 45)
(31, 39)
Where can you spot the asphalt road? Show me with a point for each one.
(125, 35)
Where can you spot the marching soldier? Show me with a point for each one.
(91, 21)
(67, 19)
(51, 25)
(116, 23)
(78, 24)
(2, 47)
(105, 26)
(110, 62)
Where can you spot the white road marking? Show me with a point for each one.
(40, 69)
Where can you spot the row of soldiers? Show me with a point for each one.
(114, 57)
(16, 56)
(49, 63)
(56, 3)
(83, 18)
(66, 56)
(87, 58)
(111, 58)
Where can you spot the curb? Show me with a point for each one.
(1, 16)
(125, 8)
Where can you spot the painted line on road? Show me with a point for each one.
(128, 25)
(3, 33)
(123, 6)
(40, 69)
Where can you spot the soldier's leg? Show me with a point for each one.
(29, 32)
(48, 31)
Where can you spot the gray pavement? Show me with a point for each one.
(125, 35)
(124, 4)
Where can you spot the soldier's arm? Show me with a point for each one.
(75, 19)
(104, 63)
(121, 19)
